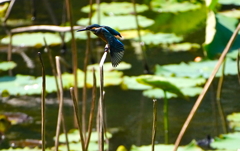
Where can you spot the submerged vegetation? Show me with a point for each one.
(151, 31)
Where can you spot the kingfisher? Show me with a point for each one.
(107, 34)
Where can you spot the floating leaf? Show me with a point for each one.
(162, 147)
(115, 8)
(229, 2)
(114, 21)
(33, 39)
(173, 6)
(161, 38)
(132, 84)
(195, 69)
(234, 121)
(183, 46)
(234, 13)
(7, 65)
(108, 66)
(228, 141)
(161, 83)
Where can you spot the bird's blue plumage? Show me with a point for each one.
(108, 34)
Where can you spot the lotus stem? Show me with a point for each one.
(75, 107)
(43, 101)
(165, 117)
(91, 116)
(154, 128)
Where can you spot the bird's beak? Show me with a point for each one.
(82, 29)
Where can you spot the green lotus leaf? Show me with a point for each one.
(132, 84)
(183, 46)
(216, 42)
(229, 2)
(33, 39)
(113, 21)
(173, 6)
(4, 66)
(115, 8)
(108, 66)
(160, 38)
(229, 142)
(234, 121)
(3, 9)
(161, 83)
(162, 147)
(25, 149)
(235, 13)
(195, 69)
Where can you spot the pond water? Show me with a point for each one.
(129, 111)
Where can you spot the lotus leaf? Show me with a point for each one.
(25, 149)
(108, 66)
(235, 13)
(161, 147)
(3, 8)
(161, 83)
(234, 121)
(173, 6)
(33, 39)
(195, 69)
(183, 46)
(224, 26)
(132, 84)
(229, 2)
(7, 65)
(116, 8)
(160, 38)
(229, 142)
(113, 21)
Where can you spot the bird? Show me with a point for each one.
(107, 34)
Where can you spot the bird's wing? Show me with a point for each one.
(116, 47)
(112, 31)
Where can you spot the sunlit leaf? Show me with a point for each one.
(33, 39)
(173, 6)
(3, 9)
(227, 141)
(113, 8)
(229, 2)
(162, 147)
(183, 46)
(161, 83)
(234, 121)
(108, 66)
(7, 65)
(115, 21)
(130, 83)
(235, 13)
(160, 38)
(195, 69)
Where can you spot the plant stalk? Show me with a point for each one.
(154, 128)
(165, 116)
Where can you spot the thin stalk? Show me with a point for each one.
(101, 116)
(75, 107)
(205, 88)
(59, 75)
(43, 102)
(165, 117)
(218, 99)
(154, 128)
(8, 11)
(10, 52)
(91, 116)
(86, 59)
(238, 66)
(74, 47)
(145, 64)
